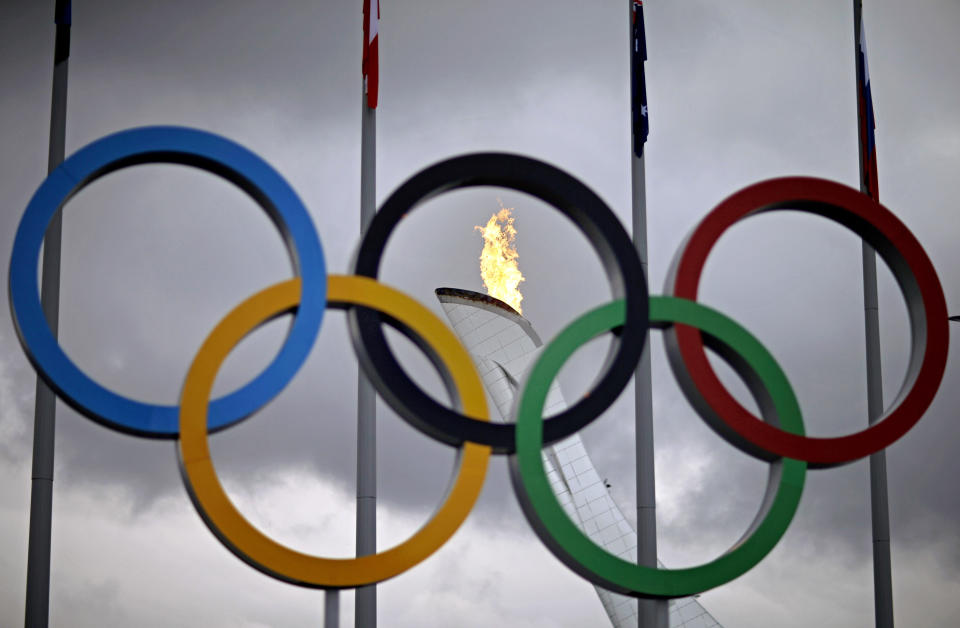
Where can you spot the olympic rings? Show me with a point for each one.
(190, 147)
(242, 538)
(785, 484)
(574, 200)
(913, 271)
(778, 439)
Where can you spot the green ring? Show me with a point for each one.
(575, 549)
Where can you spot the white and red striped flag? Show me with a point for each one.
(371, 61)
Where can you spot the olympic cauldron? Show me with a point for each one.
(776, 437)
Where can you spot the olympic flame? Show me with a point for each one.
(498, 260)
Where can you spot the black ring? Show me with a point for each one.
(575, 201)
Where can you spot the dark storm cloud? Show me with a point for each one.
(155, 256)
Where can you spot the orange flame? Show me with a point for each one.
(498, 260)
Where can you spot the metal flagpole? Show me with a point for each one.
(882, 577)
(365, 602)
(650, 613)
(331, 609)
(366, 597)
(44, 425)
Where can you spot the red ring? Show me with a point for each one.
(913, 271)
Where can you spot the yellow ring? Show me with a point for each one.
(246, 541)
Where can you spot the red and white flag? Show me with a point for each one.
(371, 62)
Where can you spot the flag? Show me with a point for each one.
(371, 58)
(62, 18)
(638, 85)
(62, 12)
(868, 144)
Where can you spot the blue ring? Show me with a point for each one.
(190, 147)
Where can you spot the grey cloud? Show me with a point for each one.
(738, 92)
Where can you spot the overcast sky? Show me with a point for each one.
(154, 256)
